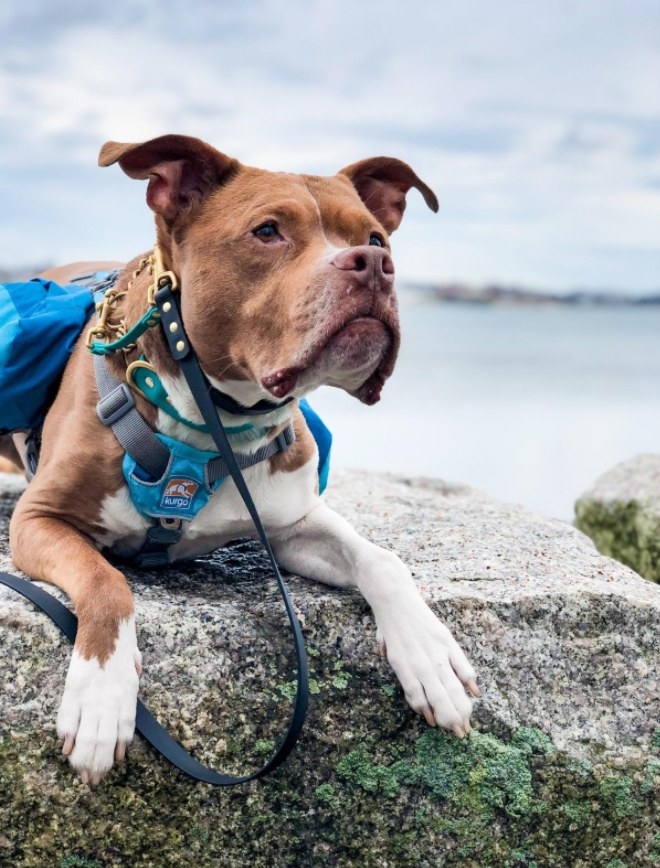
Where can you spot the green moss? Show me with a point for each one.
(582, 768)
(521, 856)
(577, 812)
(654, 852)
(655, 741)
(288, 690)
(531, 740)
(516, 803)
(479, 772)
(325, 793)
(359, 768)
(79, 862)
(652, 776)
(340, 681)
(617, 792)
(625, 530)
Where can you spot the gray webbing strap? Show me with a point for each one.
(117, 410)
(218, 468)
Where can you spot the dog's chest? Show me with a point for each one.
(281, 498)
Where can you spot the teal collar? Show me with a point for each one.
(144, 380)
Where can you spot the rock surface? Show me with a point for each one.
(562, 769)
(621, 514)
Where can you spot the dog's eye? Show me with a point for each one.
(375, 240)
(267, 231)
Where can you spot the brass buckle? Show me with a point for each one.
(130, 378)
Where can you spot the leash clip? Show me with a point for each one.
(162, 277)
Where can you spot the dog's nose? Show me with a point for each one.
(369, 265)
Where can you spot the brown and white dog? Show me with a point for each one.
(286, 284)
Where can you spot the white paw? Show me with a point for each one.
(433, 670)
(96, 719)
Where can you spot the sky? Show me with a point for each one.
(537, 122)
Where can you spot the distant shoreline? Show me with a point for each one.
(463, 293)
(491, 294)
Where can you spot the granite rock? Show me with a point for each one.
(562, 768)
(621, 514)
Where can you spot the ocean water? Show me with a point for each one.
(530, 404)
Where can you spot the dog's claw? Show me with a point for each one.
(429, 717)
(471, 685)
(68, 744)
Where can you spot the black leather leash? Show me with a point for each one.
(146, 723)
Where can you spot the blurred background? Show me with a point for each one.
(530, 304)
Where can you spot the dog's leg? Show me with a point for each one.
(96, 719)
(429, 663)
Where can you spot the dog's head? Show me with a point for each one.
(287, 281)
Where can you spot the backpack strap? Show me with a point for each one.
(117, 410)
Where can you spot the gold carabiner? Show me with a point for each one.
(95, 332)
(161, 276)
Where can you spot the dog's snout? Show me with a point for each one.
(367, 264)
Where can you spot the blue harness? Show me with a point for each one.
(187, 483)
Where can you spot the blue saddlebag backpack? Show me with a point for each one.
(40, 322)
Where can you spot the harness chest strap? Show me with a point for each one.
(150, 453)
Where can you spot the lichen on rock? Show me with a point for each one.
(621, 514)
(562, 766)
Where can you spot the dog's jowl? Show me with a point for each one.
(286, 283)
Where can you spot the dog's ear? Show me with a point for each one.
(181, 170)
(382, 184)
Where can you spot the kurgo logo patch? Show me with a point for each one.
(179, 493)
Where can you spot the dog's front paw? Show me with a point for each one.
(96, 719)
(433, 670)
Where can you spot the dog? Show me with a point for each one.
(286, 283)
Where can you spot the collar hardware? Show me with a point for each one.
(144, 380)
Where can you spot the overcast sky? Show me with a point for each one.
(537, 123)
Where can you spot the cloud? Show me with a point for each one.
(536, 123)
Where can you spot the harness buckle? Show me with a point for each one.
(115, 405)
